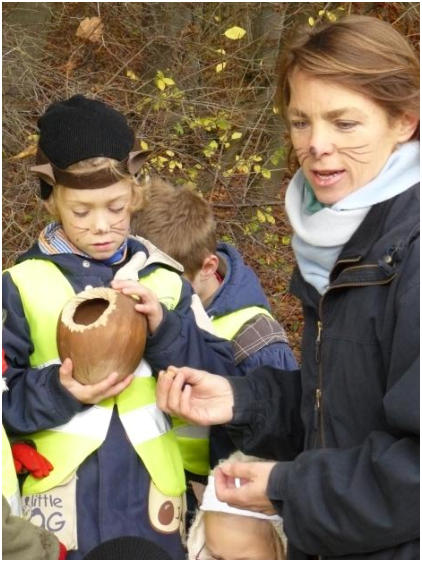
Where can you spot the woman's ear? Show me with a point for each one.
(407, 125)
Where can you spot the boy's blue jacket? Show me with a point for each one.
(112, 482)
(240, 289)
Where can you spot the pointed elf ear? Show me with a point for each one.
(136, 159)
(45, 172)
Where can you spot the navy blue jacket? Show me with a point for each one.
(240, 289)
(112, 486)
(353, 492)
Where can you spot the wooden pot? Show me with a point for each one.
(101, 332)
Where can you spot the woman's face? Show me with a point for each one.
(342, 138)
(96, 221)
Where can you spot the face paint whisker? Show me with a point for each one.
(352, 157)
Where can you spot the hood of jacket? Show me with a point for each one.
(240, 288)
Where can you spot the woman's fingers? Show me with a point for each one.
(175, 392)
(164, 382)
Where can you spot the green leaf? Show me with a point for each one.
(144, 145)
(234, 33)
(179, 129)
(222, 124)
(285, 240)
(266, 173)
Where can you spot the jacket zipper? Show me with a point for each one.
(318, 407)
(318, 421)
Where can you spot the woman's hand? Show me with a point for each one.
(252, 492)
(194, 395)
(91, 393)
(148, 303)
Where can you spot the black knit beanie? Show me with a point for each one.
(127, 548)
(80, 128)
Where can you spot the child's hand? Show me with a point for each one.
(148, 301)
(91, 393)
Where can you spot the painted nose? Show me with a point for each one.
(320, 144)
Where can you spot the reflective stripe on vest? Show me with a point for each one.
(229, 325)
(194, 440)
(9, 480)
(68, 445)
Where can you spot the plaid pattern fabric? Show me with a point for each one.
(256, 334)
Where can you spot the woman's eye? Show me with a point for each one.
(80, 213)
(345, 125)
(298, 124)
(118, 210)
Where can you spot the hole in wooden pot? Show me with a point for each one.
(89, 311)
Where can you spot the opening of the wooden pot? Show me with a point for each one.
(87, 312)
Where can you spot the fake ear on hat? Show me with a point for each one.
(136, 159)
(51, 174)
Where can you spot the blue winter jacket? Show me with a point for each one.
(240, 289)
(112, 485)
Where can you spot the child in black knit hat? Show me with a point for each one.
(117, 467)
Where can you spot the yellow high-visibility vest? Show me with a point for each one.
(44, 290)
(194, 439)
(9, 480)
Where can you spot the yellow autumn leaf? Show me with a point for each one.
(220, 51)
(236, 135)
(266, 173)
(270, 218)
(276, 110)
(311, 21)
(257, 168)
(161, 85)
(169, 81)
(243, 168)
(234, 33)
(260, 216)
(144, 145)
(169, 153)
(130, 74)
(28, 151)
(220, 66)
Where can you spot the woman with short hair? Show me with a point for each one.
(349, 92)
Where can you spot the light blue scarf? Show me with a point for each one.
(319, 235)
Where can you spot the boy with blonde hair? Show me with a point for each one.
(117, 466)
